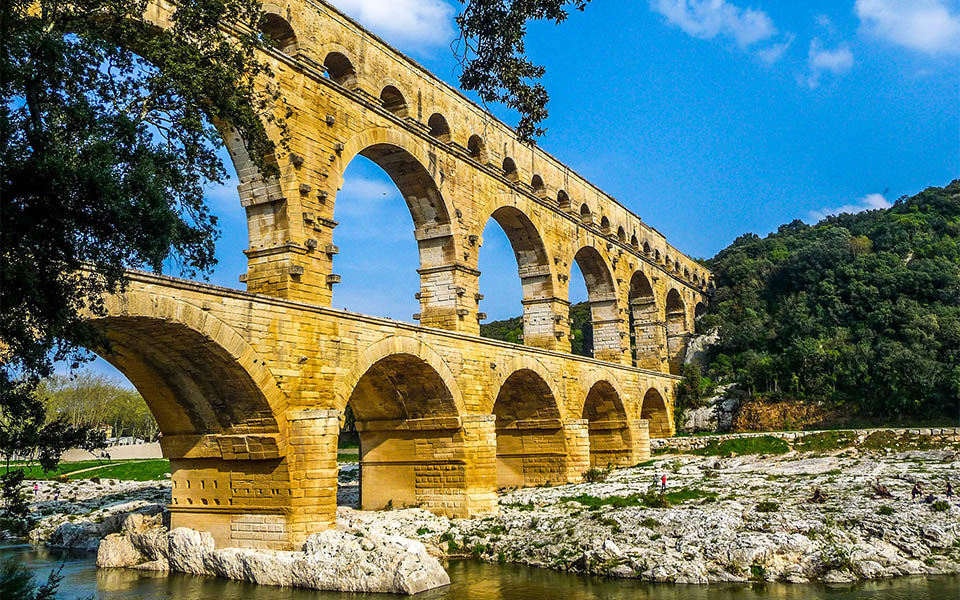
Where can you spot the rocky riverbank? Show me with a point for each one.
(834, 515)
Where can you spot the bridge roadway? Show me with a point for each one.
(250, 392)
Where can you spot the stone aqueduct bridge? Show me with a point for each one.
(249, 388)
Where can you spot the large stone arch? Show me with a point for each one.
(197, 375)
(222, 414)
(417, 175)
(408, 413)
(611, 437)
(397, 345)
(530, 437)
(534, 267)
(647, 328)
(658, 413)
(678, 331)
(602, 295)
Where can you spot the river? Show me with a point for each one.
(471, 580)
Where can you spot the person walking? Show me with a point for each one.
(949, 490)
(663, 483)
(916, 491)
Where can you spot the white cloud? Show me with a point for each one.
(362, 199)
(868, 202)
(772, 53)
(824, 21)
(414, 23)
(708, 19)
(820, 60)
(926, 26)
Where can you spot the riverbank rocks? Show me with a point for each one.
(330, 560)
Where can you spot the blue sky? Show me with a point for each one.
(708, 118)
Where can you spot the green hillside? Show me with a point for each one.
(511, 330)
(860, 310)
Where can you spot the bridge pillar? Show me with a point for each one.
(313, 472)
(676, 350)
(480, 448)
(449, 297)
(576, 433)
(546, 324)
(650, 341)
(640, 438)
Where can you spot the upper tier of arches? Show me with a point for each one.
(361, 63)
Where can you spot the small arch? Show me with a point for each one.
(476, 147)
(635, 242)
(604, 224)
(654, 410)
(340, 69)
(699, 310)
(621, 235)
(585, 214)
(676, 265)
(646, 247)
(611, 441)
(563, 200)
(537, 184)
(279, 33)
(686, 273)
(531, 448)
(392, 99)
(656, 255)
(510, 169)
(439, 127)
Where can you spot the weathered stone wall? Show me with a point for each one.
(946, 434)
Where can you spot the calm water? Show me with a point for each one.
(470, 580)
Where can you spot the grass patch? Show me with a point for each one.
(348, 457)
(763, 444)
(825, 441)
(886, 510)
(146, 470)
(128, 470)
(940, 506)
(768, 506)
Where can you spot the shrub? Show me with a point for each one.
(940, 506)
(594, 474)
(886, 510)
(768, 506)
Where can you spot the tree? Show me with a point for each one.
(492, 52)
(106, 143)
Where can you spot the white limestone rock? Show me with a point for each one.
(330, 560)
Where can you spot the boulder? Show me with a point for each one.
(330, 560)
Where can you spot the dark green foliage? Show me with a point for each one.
(511, 330)
(763, 444)
(859, 310)
(106, 146)
(768, 506)
(492, 55)
(940, 506)
(825, 441)
(886, 510)
(17, 582)
(650, 499)
(694, 391)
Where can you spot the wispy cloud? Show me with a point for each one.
(927, 26)
(868, 202)
(822, 60)
(748, 28)
(774, 52)
(417, 24)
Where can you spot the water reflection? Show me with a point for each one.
(471, 580)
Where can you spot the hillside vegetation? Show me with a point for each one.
(859, 310)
